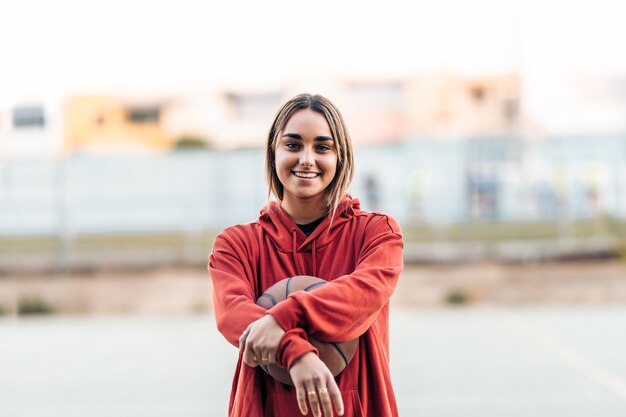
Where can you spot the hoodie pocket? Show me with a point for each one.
(352, 404)
(286, 405)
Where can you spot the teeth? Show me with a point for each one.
(305, 174)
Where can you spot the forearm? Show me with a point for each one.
(234, 300)
(347, 306)
(233, 318)
(333, 318)
(293, 345)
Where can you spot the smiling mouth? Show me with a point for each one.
(307, 175)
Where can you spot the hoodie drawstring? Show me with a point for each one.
(294, 253)
(314, 259)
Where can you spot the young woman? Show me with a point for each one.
(314, 228)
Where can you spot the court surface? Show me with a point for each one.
(487, 362)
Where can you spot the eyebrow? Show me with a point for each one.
(318, 138)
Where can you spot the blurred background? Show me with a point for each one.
(132, 132)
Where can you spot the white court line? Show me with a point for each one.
(581, 363)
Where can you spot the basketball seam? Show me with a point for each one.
(337, 348)
(271, 297)
(340, 352)
(287, 287)
(313, 286)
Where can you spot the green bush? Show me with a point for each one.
(190, 142)
(457, 297)
(32, 305)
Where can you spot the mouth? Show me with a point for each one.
(306, 175)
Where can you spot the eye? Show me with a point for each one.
(292, 145)
(323, 148)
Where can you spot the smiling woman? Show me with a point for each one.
(312, 129)
(305, 161)
(315, 228)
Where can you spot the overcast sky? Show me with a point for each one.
(81, 46)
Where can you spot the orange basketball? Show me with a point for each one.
(335, 355)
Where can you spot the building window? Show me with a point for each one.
(511, 109)
(28, 117)
(478, 93)
(143, 115)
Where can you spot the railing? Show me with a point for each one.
(181, 199)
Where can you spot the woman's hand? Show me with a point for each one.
(315, 383)
(260, 340)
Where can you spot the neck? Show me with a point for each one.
(304, 211)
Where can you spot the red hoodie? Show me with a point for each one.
(360, 254)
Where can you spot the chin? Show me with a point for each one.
(308, 195)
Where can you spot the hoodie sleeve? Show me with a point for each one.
(346, 307)
(234, 301)
(292, 346)
(233, 290)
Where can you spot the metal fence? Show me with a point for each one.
(436, 183)
(427, 181)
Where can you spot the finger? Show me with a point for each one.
(301, 396)
(271, 355)
(324, 397)
(251, 359)
(264, 357)
(248, 355)
(335, 396)
(311, 395)
(243, 338)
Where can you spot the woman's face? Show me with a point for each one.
(305, 158)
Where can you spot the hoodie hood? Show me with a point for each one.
(288, 237)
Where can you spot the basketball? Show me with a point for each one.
(336, 356)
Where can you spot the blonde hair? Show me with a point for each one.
(345, 159)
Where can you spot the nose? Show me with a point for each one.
(306, 157)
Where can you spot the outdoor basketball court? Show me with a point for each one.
(483, 362)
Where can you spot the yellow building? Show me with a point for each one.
(109, 124)
(376, 111)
